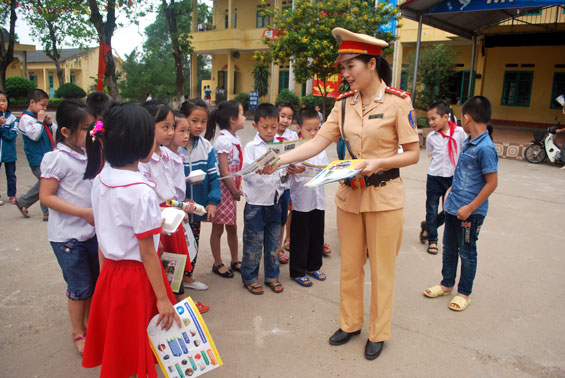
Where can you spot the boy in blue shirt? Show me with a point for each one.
(38, 132)
(466, 205)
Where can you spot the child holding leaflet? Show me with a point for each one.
(132, 286)
(8, 155)
(230, 119)
(285, 134)
(198, 154)
(37, 131)
(308, 211)
(262, 214)
(466, 205)
(443, 145)
(71, 224)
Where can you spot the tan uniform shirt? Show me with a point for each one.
(387, 122)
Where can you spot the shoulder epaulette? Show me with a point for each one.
(345, 95)
(398, 92)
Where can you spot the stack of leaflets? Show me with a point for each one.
(336, 171)
(282, 147)
(173, 264)
(188, 351)
(268, 158)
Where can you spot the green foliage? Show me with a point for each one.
(435, 74)
(286, 95)
(243, 98)
(152, 68)
(18, 87)
(261, 75)
(220, 97)
(70, 90)
(311, 101)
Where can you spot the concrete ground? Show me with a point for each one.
(513, 328)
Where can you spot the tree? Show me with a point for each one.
(154, 70)
(435, 74)
(304, 33)
(261, 74)
(57, 24)
(7, 11)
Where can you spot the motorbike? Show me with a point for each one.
(543, 146)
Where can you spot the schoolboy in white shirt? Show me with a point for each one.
(262, 213)
(308, 211)
(443, 146)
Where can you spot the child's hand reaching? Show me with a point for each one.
(167, 313)
(211, 212)
(189, 207)
(88, 216)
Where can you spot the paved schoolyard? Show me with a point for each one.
(513, 327)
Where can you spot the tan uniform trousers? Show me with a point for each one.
(381, 233)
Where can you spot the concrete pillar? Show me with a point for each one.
(45, 81)
(397, 64)
(194, 76)
(229, 87)
(309, 86)
(230, 14)
(418, 41)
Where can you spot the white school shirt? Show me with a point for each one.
(260, 189)
(286, 136)
(32, 128)
(179, 180)
(308, 199)
(437, 144)
(126, 209)
(161, 170)
(67, 167)
(226, 143)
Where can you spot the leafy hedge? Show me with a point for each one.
(243, 98)
(70, 90)
(18, 87)
(287, 95)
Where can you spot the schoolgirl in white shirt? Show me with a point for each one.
(308, 211)
(132, 286)
(165, 168)
(71, 225)
(230, 119)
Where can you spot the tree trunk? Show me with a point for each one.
(105, 32)
(171, 17)
(7, 56)
(54, 54)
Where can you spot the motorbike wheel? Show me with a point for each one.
(535, 154)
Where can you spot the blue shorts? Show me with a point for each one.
(80, 266)
(284, 201)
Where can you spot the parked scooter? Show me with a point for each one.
(544, 146)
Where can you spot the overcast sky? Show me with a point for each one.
(123, 41)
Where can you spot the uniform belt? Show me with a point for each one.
(377, 179)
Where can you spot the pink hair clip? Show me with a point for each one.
(98, 127)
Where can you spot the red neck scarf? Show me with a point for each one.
(47, 129)
(280, 138)
(451, 143)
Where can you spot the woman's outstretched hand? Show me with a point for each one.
(369, 166)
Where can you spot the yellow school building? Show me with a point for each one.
(521, 81)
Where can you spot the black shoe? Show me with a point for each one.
(373, 349)
(227, 274)
(341, 337)
(423, 232)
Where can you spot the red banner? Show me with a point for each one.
(102, 51)
(331, 88)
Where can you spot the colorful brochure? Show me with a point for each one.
(173, 264)
(188, 351)
(336, 171)
(270, 157)
(282, 147)
(311, 169)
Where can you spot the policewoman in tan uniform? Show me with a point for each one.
(376, 121)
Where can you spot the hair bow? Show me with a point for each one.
(98, 127)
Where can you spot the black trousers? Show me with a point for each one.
(306, 242)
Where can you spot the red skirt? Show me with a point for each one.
(122, 306)
(176, 243)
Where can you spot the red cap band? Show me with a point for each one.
(352, 47)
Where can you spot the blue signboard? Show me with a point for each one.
(450, 6)
(391, 25)
(253, 100)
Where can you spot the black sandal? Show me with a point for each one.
(235, 267)
(432, 248)
(423, 232)
(216, 269)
